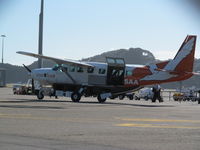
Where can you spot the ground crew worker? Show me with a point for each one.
(156, 93)
(199, 97)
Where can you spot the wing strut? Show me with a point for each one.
(65, 71)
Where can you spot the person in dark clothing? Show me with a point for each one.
(199, 97)
(156, 94)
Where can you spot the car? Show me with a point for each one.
(145, 93)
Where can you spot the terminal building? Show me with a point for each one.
(2, 77)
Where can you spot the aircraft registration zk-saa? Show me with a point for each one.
(111, 79)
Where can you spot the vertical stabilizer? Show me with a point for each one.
(184, 59)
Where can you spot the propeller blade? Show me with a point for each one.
(29, 70)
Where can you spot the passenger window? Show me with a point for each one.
(90, 70)
(102, 71)
(72, 69)
(64, 69)
(79, 69)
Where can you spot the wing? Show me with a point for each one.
(57, 60)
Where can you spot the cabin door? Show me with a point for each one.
(115, 71)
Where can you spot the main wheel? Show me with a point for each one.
(101, 100)
(75, 97)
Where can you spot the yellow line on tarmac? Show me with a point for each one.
(155, 126)
(158, 120)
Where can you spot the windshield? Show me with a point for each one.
(56, 67)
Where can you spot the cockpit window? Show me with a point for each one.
(61, 68)
(56, 67)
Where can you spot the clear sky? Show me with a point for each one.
(76, 29)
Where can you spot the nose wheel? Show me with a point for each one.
(40, 95)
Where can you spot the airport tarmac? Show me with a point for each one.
(29, 124)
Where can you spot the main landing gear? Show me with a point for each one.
(100, 99)
(83, 91)
(76, 96)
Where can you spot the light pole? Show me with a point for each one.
(40, 40)
(3, 36)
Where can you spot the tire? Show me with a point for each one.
(100, 99)
(121, 97)
(146, 98)
(130, 97)
(75, 97)
(40, 95)
(137, 98)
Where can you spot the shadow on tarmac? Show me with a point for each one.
(128, 104)
(24, 100)
(33, 107)
(107, 103)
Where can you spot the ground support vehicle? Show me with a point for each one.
(26, 89)
(185, 96)
(145, 93)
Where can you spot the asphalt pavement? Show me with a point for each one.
(59, 124)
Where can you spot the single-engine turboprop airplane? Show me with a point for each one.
(114, 77)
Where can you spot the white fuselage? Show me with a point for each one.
(76, 75)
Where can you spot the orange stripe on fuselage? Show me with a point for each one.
(151, 82)
(139, 73)
(173, 79)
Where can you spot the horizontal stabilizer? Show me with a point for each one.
(176, 72)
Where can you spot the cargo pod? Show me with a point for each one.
(115, 71)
